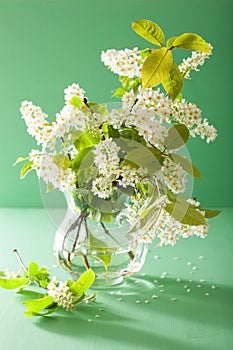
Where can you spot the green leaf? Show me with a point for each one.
(83, 283)
(19, 160)
(112, 132)
(178, 135)
(145, 53)
(156, 67)
(119, 92)
(77, 161)
(174, 82)
(75, 134)
(37, 305)
(25, 169)
(13, 283)
(185, 213)
(86, 140)
(145, 159)
(42, 277)
(76, 101)
(98, 108)
(61, 161)
(210, 213)
(169, 43)
(33, 268)
(131, 134)
(150, 31)
(50, 187)
(191, 41)
(186, 165)
(48, 312)
(101, 246)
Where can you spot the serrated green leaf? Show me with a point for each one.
(170, 41)
(37, 305)
(178, 135)
(20, 159)
(150, 31)
(13, 283)
(186, 165)
(156, 67)
(33, 269)
(191, 41)
(83, 283)
(210, 213)
(174, 82)
(76, 101)
(25, 169)
(185, 213)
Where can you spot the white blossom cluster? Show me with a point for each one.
(174, 176)
(73, 90)
(58, 291)
(169, 230)
(45, 168)
(157, 101)
(107, 162)
(189, 114)
(123, 62)
(192, 63)
(35, 120)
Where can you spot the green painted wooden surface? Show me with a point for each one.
(48, 44)
(192, 322)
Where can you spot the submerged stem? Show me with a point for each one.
(107, 232)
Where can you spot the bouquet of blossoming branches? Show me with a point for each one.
(97, 153)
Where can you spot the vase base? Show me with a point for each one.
(109, 282)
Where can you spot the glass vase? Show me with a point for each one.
(111, 249)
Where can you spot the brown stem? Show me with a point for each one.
(72, 227)
(20, 260)
(135, 102)
(63, 141)
(86, 263)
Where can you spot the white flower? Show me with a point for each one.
(123, 62)
(106, 157)
(192, 63)
(190, 115)
(102, 187)
(169, 230)
(43, 163)
(174, 176)
(58, 291)
(73, 90)
(37, 125)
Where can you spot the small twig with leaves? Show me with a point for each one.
(55, 293)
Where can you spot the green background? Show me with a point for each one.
(46, 45)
